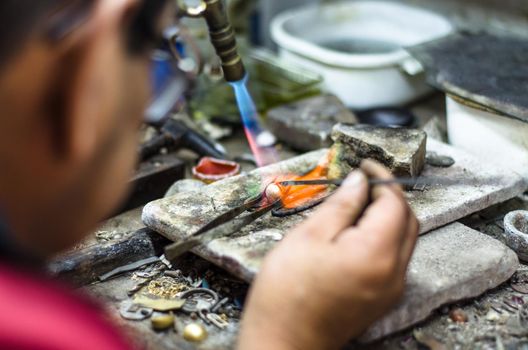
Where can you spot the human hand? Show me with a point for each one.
(336, 273)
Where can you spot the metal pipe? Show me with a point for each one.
(221, 33)
(223, 39)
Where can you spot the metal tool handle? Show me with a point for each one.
(202, 146)
(222, 36)
(409, 182)
(213, 232)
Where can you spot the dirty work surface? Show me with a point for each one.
(191, 272)
(496, 320)
(486, 328)
(242, 254)
(449, 264)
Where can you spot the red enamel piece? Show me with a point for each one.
(210, 170)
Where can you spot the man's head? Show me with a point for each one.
(72, 95)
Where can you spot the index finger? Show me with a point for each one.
(375, 170)
(386, 219)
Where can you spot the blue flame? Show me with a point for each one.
(264, 155)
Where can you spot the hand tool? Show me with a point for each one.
(224, 225)
(230, 222)
(408, 182)
(144, 30)
(174, 135)
(128, 268)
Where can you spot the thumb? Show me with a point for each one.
(341, 210)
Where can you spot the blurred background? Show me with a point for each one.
(511, 15)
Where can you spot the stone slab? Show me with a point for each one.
(180, 216)
(401, 150)
(449, 264)
(307, 125)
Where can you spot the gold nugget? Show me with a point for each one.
(195, 333)
(163, 322)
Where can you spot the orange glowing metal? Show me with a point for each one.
(298, 196)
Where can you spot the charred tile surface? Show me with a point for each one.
(401, 150)
(450, 264)
(307, 125)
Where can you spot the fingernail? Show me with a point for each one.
(354, 179)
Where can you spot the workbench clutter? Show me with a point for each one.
(240, 245)
(256, 142)
(173, 303)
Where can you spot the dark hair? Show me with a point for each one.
(142, 33)
(18, 19)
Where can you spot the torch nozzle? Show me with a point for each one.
(223, 39)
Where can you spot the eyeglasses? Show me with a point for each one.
(153, 30)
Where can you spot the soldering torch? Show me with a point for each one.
(145, 29)
(156, 25)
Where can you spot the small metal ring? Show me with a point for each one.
(188, 294)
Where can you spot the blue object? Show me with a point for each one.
(264, 155)
(246, 105)
(168, 86)
(162, 71)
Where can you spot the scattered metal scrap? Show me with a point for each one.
(161, 294)
(165, 287)
(160, 305)
(128, 268)
(133, 312)
(206, 301)
(146, 277)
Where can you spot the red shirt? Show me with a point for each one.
(40, 314)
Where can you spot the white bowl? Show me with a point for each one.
(387, 75)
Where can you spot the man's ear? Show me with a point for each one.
(91, 80)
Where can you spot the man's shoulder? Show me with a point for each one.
(38, 313)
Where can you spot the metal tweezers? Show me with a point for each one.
(231, 222)
(223, 226)
(429, 181)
